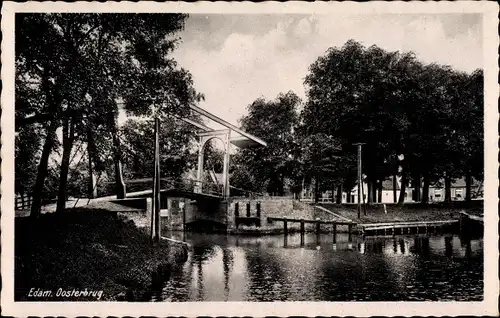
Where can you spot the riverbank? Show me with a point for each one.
(411, 212)
(375, 213)
(91, 249)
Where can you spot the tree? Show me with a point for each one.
(27, 153)
(471, 129)
(176, 141)
(84, 64)
(355, 95)
(398, 107)
(320, 161)
(274, 122)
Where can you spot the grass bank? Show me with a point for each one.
(89, 249)
(406, 213)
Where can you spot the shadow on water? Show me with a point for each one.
(318, 267)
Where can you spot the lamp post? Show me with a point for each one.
(359, 145)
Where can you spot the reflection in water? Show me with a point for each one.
(227, 261)
(448, 246)
(200, 280)
(228, 268)
(402, 246)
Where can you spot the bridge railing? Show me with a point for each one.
(188, 185)
(191, 185)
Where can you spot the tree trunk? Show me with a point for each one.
(339, 194)
(43, 165)
(395, 188)
(303, 188)
(282, 185)
(468, 186)
(403, 188)
(370, 191)
(68, 136)
(425, 190)
(316, 189)
(380, 189)
(416, 187)
(447, 188)
(42, 170)
(119, 183)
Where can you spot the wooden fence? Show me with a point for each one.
(23, 201)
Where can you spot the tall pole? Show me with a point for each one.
(359, 178)
(155, 215)
(225, 168)
(120, 188)
(363, 198)
(92, 189)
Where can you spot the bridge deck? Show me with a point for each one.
(175, 193)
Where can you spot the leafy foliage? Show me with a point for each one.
(396, 105)
(428, 115)
(83, 66)
(274, 121)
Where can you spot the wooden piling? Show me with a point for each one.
(460, 223)
(334, 232)
(302, 227)
(285, 227)
(350, 232)
(317, 227)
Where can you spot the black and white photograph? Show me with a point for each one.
(217, 159)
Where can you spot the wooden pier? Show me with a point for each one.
(394, 228)
(473, 217)
(318, 223)
(471, 224)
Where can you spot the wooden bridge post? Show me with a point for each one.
(318, 224)
(285, 226)
(302, 232)
(334, 232)
(350, 232)
(461, 221)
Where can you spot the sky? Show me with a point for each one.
(235, 59)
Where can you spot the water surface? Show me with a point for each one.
(279, 268)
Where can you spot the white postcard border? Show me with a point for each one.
(491, 287)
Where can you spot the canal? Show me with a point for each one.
(279, 268)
